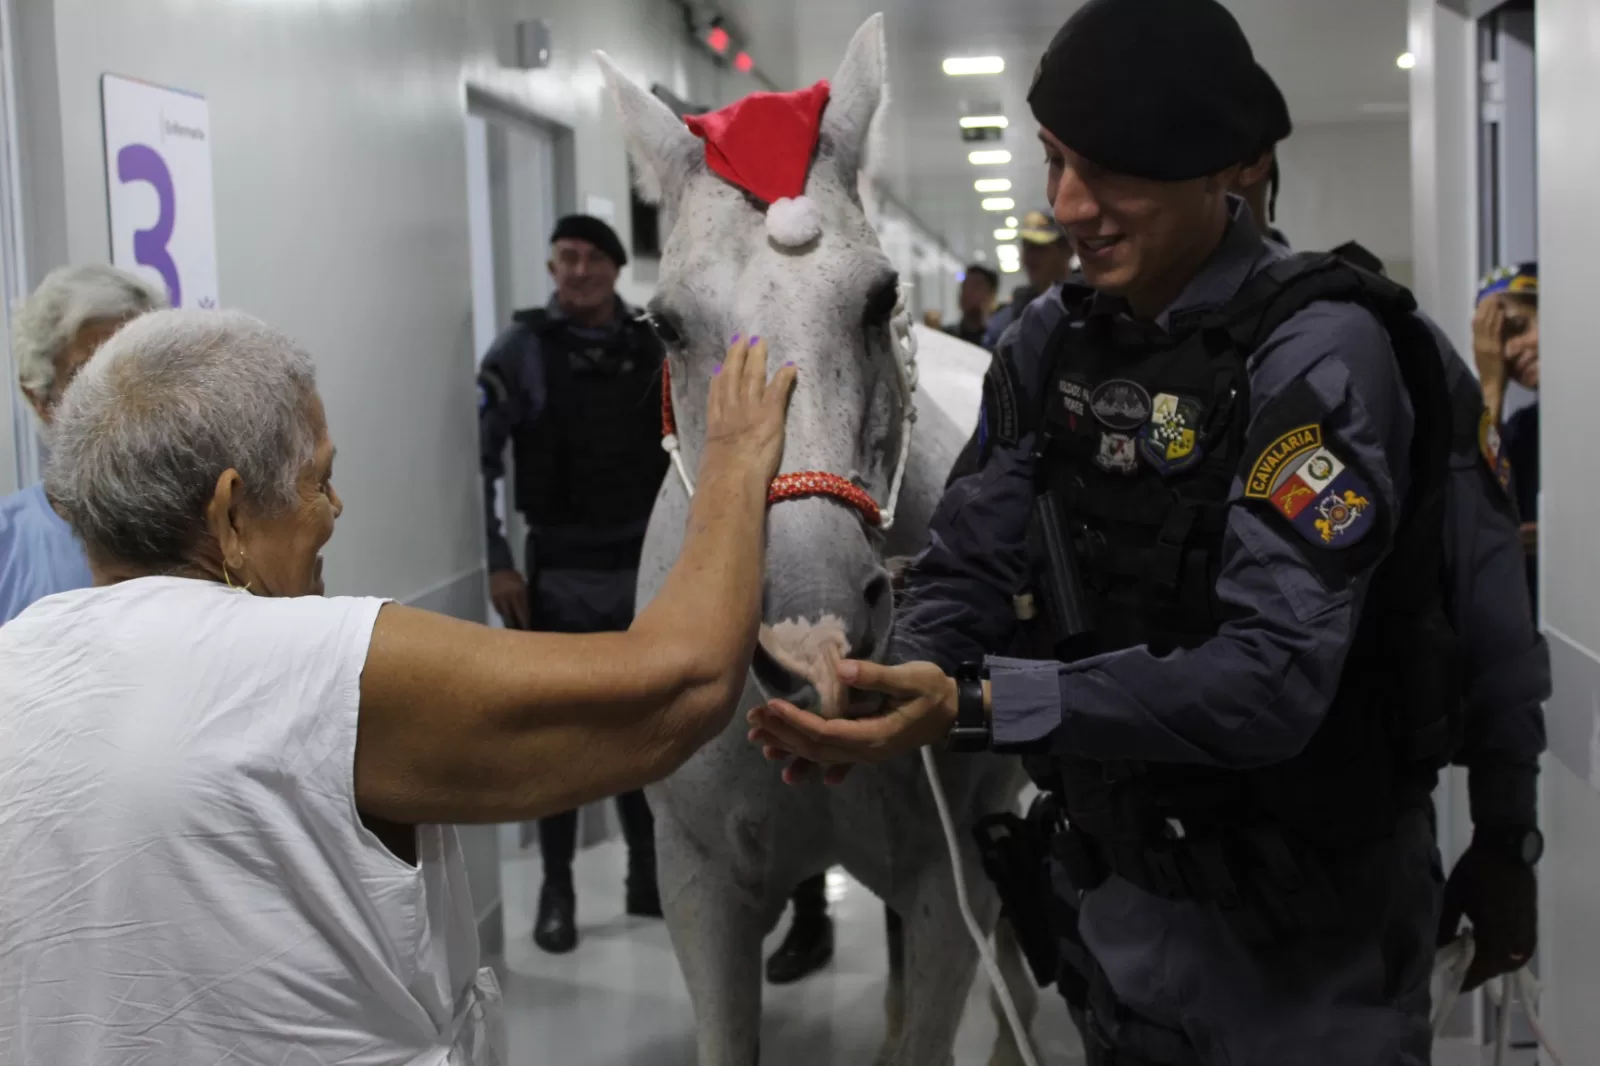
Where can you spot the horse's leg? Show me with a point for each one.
(940, 962)
(1019, 980)
(716, 915)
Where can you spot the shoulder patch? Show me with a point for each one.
(1000, 415)
(1306, 482)
(1492, 447)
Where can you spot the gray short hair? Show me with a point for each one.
(151, 422)
(65, 301)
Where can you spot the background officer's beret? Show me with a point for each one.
(591, 229)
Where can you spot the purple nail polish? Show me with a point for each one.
(735, 339)
(755, 340)
(716, 370)
(791, 363)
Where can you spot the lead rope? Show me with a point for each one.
(1519, 988)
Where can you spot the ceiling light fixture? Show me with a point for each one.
(992, 185)
(958, 66)
(1011, 221)
(998, 203)
(1010, 266)
(985, 122)
(990, 158)
(1406, 61)
(1007, 234)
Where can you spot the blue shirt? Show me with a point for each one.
(39, 556)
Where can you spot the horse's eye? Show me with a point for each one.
(666, 329)
(880, 305)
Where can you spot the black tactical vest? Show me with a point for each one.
(1141, 436)
(589, 467)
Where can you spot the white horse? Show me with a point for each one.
(733, 840)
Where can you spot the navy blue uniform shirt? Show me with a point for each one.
(1255, 693)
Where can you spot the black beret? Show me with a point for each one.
(1162, 89)
(591, 229)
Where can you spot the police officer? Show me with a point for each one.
(1505, 662)
(576, 389)
(1046, 260)
(1213, 492)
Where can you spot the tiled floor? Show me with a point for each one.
(620, 998)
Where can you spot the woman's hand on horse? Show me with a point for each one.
(745, 412)
(920, 707)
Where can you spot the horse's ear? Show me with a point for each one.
(663, 151)
(857, 91)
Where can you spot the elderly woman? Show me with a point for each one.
(57, 329)
(223, 798)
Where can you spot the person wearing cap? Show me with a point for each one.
(574, 387)
(979, 287)
(1046, 260)
(1207, 528)
(1505, 348)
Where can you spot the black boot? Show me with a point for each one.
(556, 930)
(808, 947)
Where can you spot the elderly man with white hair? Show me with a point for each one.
(68, 317)
(225, 798)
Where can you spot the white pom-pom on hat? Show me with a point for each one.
(794, 223)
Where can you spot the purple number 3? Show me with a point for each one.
(140, 162)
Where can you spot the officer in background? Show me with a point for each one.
(1505, 663)
(1046, 260)
(1212, 504)
(979, 287)
(576, 388)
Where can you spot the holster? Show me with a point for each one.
(1014, 852)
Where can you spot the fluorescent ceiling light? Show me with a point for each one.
(1007, 234)
(984, 122)
(992, 185)
(1007, 251)
(1011, 221)
(998, 203)
(1010, 266)
(992, 157)
(956, 66)
(1406, 61)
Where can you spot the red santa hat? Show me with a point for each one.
(764, 144)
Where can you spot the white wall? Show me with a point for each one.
(1569, 231)
(1346, 181)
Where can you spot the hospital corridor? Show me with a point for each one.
(757, 533)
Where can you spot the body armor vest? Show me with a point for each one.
(1141, 435)
(589, 467)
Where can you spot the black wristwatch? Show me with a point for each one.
(971, 730)
(1521, 843)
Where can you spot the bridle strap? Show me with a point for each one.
(806, 483)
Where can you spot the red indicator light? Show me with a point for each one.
(743, 63)
(718, 39)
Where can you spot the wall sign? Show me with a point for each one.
(158, 183)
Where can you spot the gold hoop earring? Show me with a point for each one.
(228, 578)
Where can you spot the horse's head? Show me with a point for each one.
(829, 304)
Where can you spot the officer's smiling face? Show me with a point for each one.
(585, 277)
(1139, 239)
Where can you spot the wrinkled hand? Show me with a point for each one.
(920, 706)
(1500, 897)
(509, 594)
(745, 412)
(1489, 345)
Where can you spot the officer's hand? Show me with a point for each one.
(745, 412)
(1500, 897)
(1489, 345)
(920, 707)
(509, 593)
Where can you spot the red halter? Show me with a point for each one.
(794, 486)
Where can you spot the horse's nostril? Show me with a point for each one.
(876, 590)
